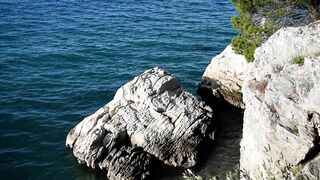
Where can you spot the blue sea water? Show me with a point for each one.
(60, 60)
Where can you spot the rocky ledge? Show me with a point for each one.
(281, 128)
(150, 119)
(223, 78)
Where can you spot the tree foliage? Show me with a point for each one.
(249, 5)
(252, 35)
(307, 3)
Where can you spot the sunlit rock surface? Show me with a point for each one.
(281, 121)
(150, 118)
(224, 76)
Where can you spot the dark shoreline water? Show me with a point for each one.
(62, 60)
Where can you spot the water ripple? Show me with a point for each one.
(62, 60)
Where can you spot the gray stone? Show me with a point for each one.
(224, 76)
(281, 120)
(150, 117)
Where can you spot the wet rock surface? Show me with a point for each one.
(150, 119)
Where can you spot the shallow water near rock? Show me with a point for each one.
(61, 61)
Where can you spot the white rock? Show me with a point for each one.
(150, 117)
(281, 120)
(224, 76)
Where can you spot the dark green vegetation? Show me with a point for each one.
(298, 60)
(253, 34)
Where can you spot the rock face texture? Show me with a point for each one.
(224, 76)
(282, 118)
(150, 118)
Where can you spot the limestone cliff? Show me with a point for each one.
(281, 121)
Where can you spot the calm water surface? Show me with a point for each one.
(62, 60)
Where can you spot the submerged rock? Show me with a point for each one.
(150, 118)
(224, 76)
(281, 122)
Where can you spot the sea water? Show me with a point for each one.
(60, 60)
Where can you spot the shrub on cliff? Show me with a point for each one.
(313, 6)
(252, 34)
(298, 60)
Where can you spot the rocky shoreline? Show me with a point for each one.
(152, 121)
